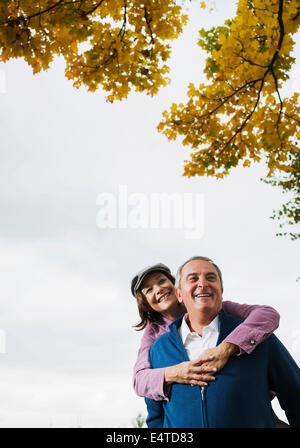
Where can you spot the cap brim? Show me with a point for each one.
(141, 279)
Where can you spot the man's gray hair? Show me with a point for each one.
(197, 257)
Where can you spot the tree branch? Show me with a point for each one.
(123, 29)
(239, 130)
(148, 20)
(45, 10)
(291, 117)
(59, 3)
(270, 68)
(229, 97)
(244, 59)
(280, 100)
(281, 35)
(95, 7)
(297, 15)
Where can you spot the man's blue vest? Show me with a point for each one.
(240, 394)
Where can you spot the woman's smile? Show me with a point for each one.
(164, 297)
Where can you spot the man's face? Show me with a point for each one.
(200, 288)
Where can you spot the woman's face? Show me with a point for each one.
(159, 292)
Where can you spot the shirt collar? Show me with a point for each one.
(185, 329)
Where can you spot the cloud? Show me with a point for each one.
(35, 398)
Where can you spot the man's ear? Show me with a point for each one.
(178, 295)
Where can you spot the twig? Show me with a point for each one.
(123, 29)
(238, 131)
(95, 7)
(280, 100)
(148, 20)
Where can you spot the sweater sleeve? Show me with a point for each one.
(284, 379)
(260, 322)
(148, 382)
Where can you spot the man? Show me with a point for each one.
(240, 394)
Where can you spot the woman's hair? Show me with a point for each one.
(147, 314)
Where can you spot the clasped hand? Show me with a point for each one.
(201, 370)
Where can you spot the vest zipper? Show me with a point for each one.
(203, 407)
(201, 387)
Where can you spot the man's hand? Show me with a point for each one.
(196, 372)
(221, 353)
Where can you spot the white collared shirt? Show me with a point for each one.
(194, 344)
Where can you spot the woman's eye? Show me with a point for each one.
(162, 280)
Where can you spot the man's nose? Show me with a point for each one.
(202, 282)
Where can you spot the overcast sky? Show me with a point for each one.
(66, 310)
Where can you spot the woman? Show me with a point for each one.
(153, 288)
